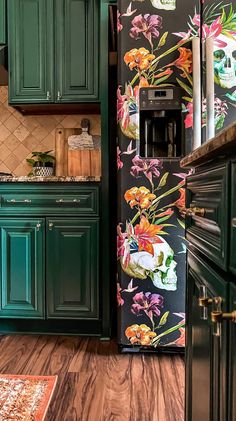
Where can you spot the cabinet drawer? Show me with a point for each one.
(208, 190)
(81, 201)
(233, 220)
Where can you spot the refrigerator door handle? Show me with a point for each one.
(197, 119)
(210, 89)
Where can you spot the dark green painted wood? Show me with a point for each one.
(31, 53)
(22, 268)
(209, 189)
(206, 378)
(41, 199)
(232, 359)
(233, 215)
(72, 259)
(77, 50)
(2, 21)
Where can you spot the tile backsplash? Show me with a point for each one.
(20, 135)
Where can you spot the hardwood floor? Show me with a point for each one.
(95, 383)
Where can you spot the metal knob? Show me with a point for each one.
(50, 226)
(204, 301)
(38, 226)
(194, 211)
(48, 96)
(59, 96)
(219, 316)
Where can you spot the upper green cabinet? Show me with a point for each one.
(2, 21)
(76, 50)
(53, 51)
(30, 46)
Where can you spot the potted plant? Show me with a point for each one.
(42, 163)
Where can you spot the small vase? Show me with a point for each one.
(164, 4)
(43, 170)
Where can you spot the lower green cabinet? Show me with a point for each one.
(206, 379)
(232, 360)
(2, 21)
(22, 268)
(72, 268)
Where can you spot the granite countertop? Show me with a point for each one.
(52, 179)
(223, 144)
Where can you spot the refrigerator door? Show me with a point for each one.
(154, 39)
(219, 66)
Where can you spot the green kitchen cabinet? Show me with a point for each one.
(22, 268)
(206, 359)
(2, 21)
(30, 46)
(72, 259)
(76, 50)
(53, 51)
(232, 360)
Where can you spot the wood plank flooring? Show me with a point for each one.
(95, 382)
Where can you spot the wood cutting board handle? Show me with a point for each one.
(59, 151)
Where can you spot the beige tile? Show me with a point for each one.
(21, 133)
(49, 142)
(47, 121)
(58, 117)
(3, 94)
(3, 168)
(4, 152)
(21, 152)
(22, 169)
(4, 133)
(40, 133)
(30, 123)
(8, 107)
(69, 122)
(19, 116)
(12, 142)
(11, 123)
(31, 143)
(4, 114)
(12, 161)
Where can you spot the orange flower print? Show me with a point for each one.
(141, 197)
(147, 235)
(184, 62)
(140, 334)
(139, 58)
(180, 203)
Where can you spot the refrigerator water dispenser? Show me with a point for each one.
(161, 122)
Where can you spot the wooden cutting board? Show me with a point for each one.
(76, 162)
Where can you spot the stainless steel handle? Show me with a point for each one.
(50, 226)
(48, 96)
(68, 201)
(18, 201)
(38, 226)
(210, 89)
(233, 222)
(197, 117)
(204, 302)
(58, 95)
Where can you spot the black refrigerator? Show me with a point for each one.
(176, 89)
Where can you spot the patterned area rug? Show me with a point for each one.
(25, 398)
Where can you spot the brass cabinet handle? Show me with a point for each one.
(204, 301)
(48, 96)
(18, 201)
(59, 96)
(194, 211)
(38, 226)
(68, 201)
(219, 316)
(50, 226)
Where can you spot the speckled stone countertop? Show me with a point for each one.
(222, 144)
(52, 179)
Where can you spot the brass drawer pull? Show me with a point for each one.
(219, 316)
(50, 226)
(18, 201)
(38, 226)
(68, 201)
(204, 301)
(194, 211)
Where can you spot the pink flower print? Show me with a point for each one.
(214, 30)
(147, 303)
(123, 108)
(188, 122)
(149, 167)
(119, 24)
(119, 162)
(146, 25)
(120, 300)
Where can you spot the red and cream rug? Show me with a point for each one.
(25, 398)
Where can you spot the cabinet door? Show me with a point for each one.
(77, 44)
(232, 358)
(31, 58)
(22, 268)
(72, 268)
(2, 21)
(206, 353)
(233, 219)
